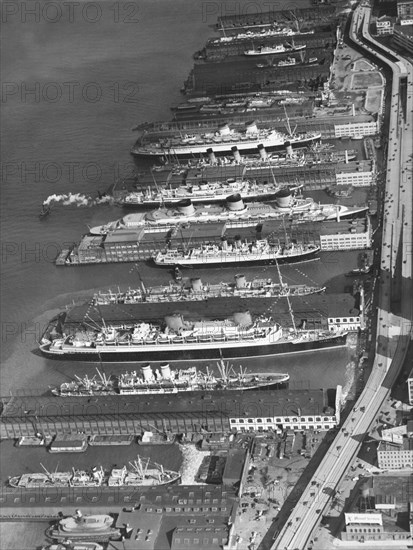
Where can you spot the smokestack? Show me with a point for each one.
(211, 156)
(262, 152)
(147, 373)
(236, 154)
(288, 149)
(240, 281)
(196, 284)
(166, 371)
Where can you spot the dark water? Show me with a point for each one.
(74, 90)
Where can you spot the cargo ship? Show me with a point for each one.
(233, 211)
(200, 193)
(179, 339)
(272, 50)
(197, 290)
(165, 380)
(260, 252)
(97, 528)
(223, 142)
(142, 473)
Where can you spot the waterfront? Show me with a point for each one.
(36, 290)
(41, 138)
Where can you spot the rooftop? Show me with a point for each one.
(270, 403)
(406, 30)
(316, 306)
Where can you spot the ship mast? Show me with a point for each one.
(287, 121)
(290, 309)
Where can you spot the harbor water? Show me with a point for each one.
(76, 89)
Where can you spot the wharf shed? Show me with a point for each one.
(196, 412)
(244, 18)
(313, 310)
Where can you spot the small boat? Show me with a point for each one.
(45, 211)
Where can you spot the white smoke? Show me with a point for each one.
(77, 199)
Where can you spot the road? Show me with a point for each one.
(393, 331)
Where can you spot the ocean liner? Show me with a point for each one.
(233, 211)
(271, 50)
(260, 252)
(177, 338)
(223, 142)
(166, 380)
(197, 290)
(204, 192)
(286, 31)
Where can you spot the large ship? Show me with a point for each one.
(142, 473)
(203, 192)
(233, 212)
(279, 48)
(197, 290)
(97, 528)
(277, 31)
(166, 380)
(260, 252)
(179, 339)
(223, 142)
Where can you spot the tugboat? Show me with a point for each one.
(45, 211)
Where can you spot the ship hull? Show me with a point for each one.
(206, 199)
(222, 149)
(241, 259)
(169, 353)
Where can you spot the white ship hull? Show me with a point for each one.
(274, 51)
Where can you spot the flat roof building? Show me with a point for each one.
(206, 412)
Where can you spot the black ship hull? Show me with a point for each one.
(190, 155)
(112, 355)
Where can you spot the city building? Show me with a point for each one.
(180, 517)
(346, 235)
(384, 25)
(405, 9)
(362, 527)
(356, 129)
(382, 511)
(357, 179)
(403, 37)
(392, 456)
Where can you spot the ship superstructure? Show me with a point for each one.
(223, 142)
(197, 290)
(233, 211)
(166, 380)
(177, 338)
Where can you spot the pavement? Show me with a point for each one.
(393, 331)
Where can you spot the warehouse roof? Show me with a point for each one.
(220, 403)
